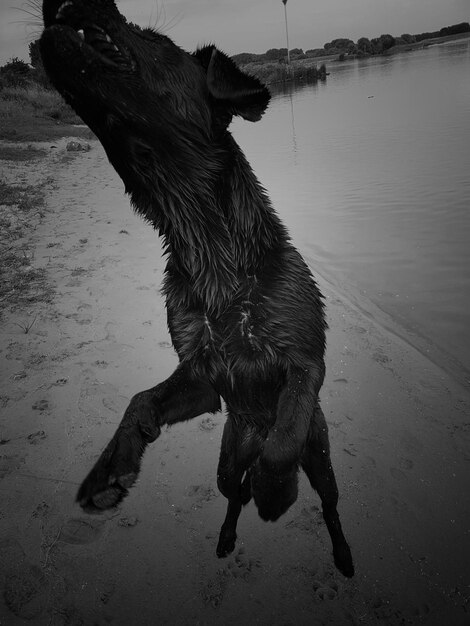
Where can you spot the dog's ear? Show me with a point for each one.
(243, 95)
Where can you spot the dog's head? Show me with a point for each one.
(161, 115)
(116, 74)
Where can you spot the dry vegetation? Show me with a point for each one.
(32, 113)
(21, 208)
(28, 112)
(272, 73)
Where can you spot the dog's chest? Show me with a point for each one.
(236, 341)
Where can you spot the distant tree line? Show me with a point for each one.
(363, 47)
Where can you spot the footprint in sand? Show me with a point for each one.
(9, 463)
(80, 319)
(59, 382)
(40, 405)
(109, 589)
(351, 450)
(79, 271)
(20, 375)
(41, 510)
(102, 364)
(35, 438)
(380, 357)
(92, 391)
(128, 521)
(369, 462)
(77, 531)
(239, 566)
(207, 423)
(11, 551)
(406, 464)
(201, 494)
(309, 520)
(164, 344)
(400, 472)
(325, 590)
(24, 591)
(213, 591)
(242, 566)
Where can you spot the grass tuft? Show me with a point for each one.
(20, 282)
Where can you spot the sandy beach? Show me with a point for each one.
(399, 431)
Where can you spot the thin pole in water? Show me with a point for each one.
(284, 2)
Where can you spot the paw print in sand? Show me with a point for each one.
(241, 566)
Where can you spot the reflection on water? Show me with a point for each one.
(370, 171)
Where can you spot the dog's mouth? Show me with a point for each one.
(93, 41)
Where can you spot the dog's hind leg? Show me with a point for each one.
(274, 475)
(179, 398)
(287, 436)
(241, 443)
(316, 463)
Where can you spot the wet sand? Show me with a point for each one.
(399, 430)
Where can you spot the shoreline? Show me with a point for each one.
(391, 325)
(426, 43)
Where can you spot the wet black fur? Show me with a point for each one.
(245, 315)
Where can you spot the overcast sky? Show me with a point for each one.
(254, 25)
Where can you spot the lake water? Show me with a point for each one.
(371, 173)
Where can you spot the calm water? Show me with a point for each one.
(371, 173)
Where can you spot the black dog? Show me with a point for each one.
(244, 313)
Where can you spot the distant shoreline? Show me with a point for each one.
(273, 73)
(425, 43)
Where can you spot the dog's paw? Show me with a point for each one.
(114, 473)
(343, 560)
(226, 543)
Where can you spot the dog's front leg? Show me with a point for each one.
(179, 398)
